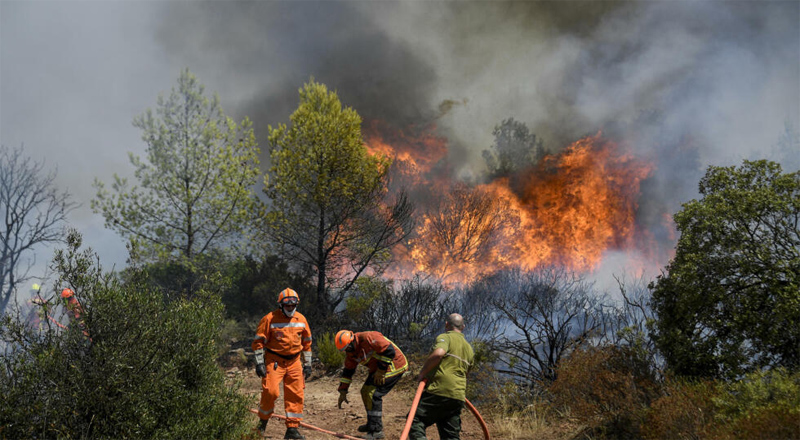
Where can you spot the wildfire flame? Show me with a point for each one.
(567, 210)
(583, 202)
(417, 149)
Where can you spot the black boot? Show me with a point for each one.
(375, 435)
(262, 427)
(293, 433)
(363, 428)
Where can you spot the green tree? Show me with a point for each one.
(196, 197)
(252, 291)
(330, 213)
(148, 371)
(514, 149)
(729, 302)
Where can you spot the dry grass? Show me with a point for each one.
(534, 421)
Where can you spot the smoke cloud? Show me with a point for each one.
(684, 85)
(719, 77)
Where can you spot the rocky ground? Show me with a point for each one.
(321, 410)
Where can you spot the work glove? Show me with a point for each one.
(306, 365)
(380, 377)
(261, 369)
(342, 398)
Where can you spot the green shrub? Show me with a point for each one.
(328, 354)
(764, 404)
(255, 285)
(148, 371)
(757, 390)
(769, 423)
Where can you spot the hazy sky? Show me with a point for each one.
(686, 84)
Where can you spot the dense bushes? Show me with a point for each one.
(612, 396)
(255, 286)
(606, 388)
(763, 405)
(147, 372)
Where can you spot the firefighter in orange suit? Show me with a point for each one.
(386, 364)
(75, 310)
(282, 350)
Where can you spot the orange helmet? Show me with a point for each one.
(343, 339)
(288, 296)
(67, 293)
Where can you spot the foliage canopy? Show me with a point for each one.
(148, 371)
(328, 196)
(514, 149)
(729, 302)
(196, 182)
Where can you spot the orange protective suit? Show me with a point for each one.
(283, 339)
(378, 354)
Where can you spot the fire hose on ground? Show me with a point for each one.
(312, 427)
(407, 427)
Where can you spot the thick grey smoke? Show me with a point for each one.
(720, 77)
(682, 84)
(266, 51)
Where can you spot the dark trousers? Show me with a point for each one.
(443, 411)
(372, 395)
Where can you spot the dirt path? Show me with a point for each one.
(321, 410)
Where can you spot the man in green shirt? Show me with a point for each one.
(446, 370)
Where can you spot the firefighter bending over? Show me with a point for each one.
(386, 364)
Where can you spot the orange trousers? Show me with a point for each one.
(291, 374)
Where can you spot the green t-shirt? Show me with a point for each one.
(449, 378)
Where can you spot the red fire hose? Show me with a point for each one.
(312, 427)
(480, 419)
(407, 428)
(415, 403)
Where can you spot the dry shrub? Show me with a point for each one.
(686, 411)
(516, 413)
(607, 389)
(526, 423)
(513, 411)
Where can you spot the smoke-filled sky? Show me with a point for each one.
(684, 84)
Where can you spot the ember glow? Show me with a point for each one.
(567, 210)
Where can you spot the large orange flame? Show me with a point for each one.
(417, 148)
(567, 211)
(583, 202)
